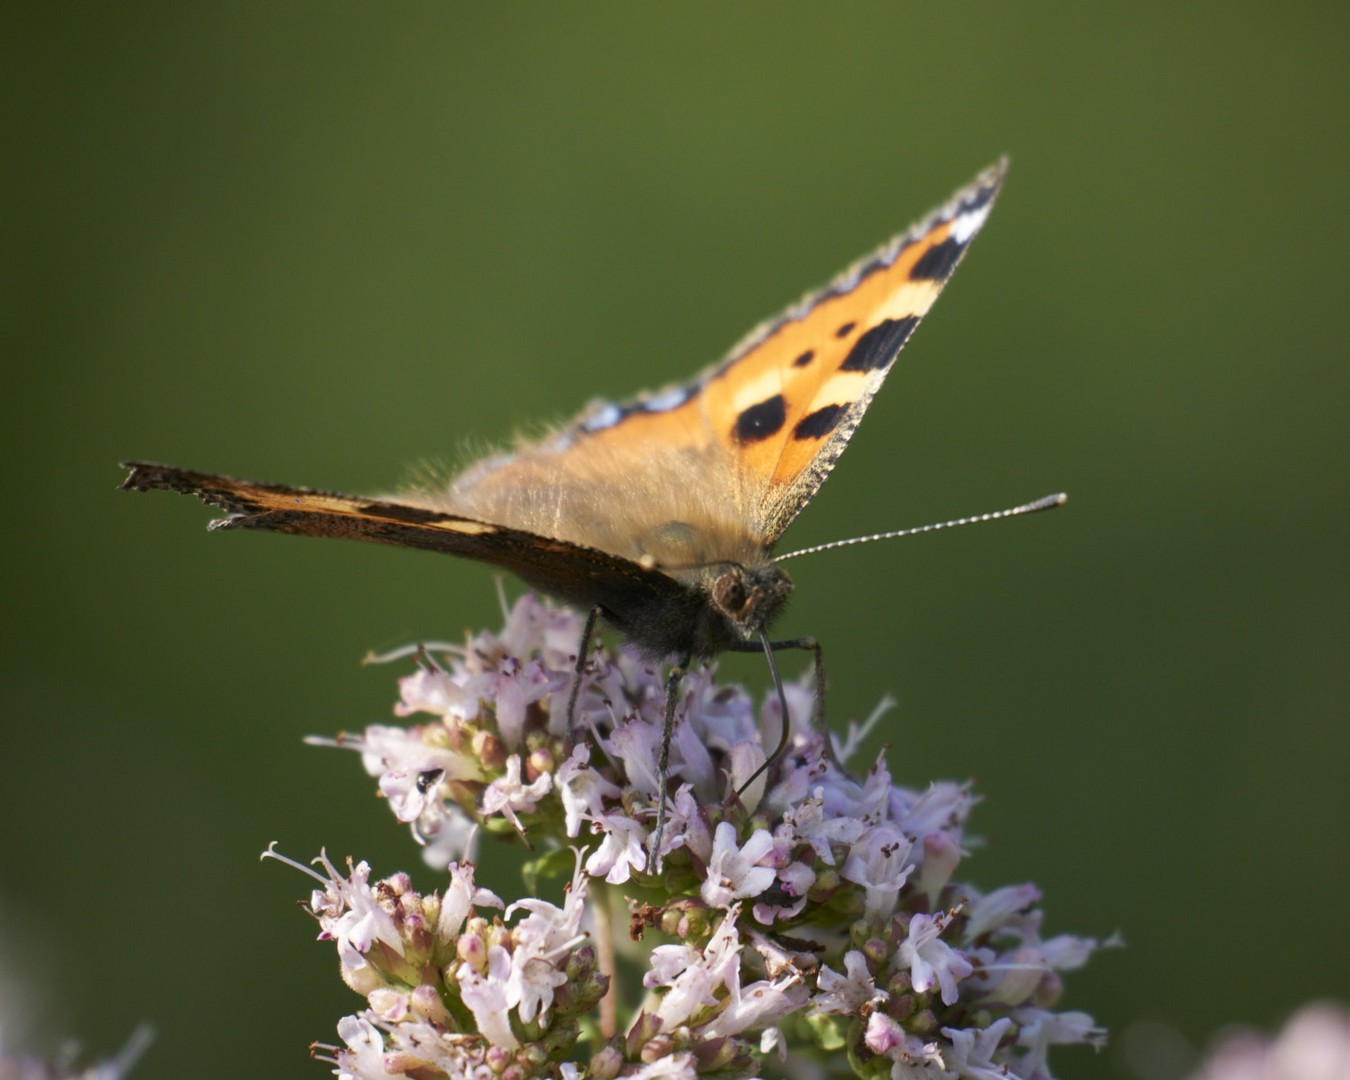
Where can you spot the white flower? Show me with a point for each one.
(693, 975)
(747, 758)
(542, 941)
(845, 995)
(411, 788)
(364, 1057)
(806, 823)
(777, 958)
(635, 745)
(415, 1047)
(944, 807)
(349, 914)
(879, 862)
(911, 1057)
(1039, 1030)
(1068, 952)
(931, 960)
(486, 997)
(446, 833)
(687, 826)
(513, 688)
(801, 703)
(438, 692)
(973, 1049)
(1000, 908)
(1018, 974)
(623, 850)
(720, 715)
(941, 855)
(757, 1005)
(851, 860)
(582, 789)
(508, 795)
(461, 897)
(694, 757)
(671, 1067)
(869, 802)
(734, 872)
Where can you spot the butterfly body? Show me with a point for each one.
(661, 512)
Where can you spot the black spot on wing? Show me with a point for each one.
(937, 263)
(762, 420)
(877, 348)
(845, 330)
(805, 358)
(820, 423)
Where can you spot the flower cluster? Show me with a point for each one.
(1314, 1045)
(814, 912)
(451, 992)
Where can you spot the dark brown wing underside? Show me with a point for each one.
(630, 594)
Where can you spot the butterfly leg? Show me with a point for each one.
(583, 648)
(818, 714)
(811, 644)
(673, 680)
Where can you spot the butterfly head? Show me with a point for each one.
(742, 601)
(750, 598)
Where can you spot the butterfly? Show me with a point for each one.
(660, 514)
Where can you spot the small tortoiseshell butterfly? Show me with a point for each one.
(661, 513)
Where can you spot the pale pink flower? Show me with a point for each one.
(879, 861)
(584, 791)
(508, 795)
(1314, 1045)
(846, 994)
(623, 849)
(736, 872)
(488, 999)
(931, 960)
(973, 1050)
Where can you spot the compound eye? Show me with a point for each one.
(730, 594)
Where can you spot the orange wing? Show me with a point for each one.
(781, 407)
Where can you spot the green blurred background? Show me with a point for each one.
(318, 242)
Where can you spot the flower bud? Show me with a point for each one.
(606, 1062)
(538, 763)
(490, 750)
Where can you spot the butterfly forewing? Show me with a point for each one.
(737, 452)
(790, 398)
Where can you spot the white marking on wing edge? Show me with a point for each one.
(671, 399)
(968, 224)
(606, 417)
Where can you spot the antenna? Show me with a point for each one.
(1048, 502)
